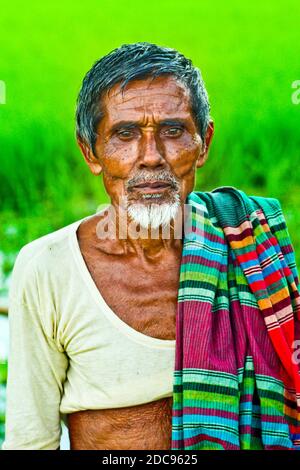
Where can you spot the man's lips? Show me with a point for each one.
(152, 186)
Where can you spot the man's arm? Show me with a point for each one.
(36, 368)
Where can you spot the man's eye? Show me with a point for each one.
(125, 134)
(174, 131)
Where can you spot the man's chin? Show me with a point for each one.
(153, 212)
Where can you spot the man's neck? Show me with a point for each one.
(146, 243)
(152, 247)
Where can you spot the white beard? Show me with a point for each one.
(154, 215)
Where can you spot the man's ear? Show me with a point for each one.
(205, 145)
(90, 158)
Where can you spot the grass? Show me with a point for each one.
(247, 57)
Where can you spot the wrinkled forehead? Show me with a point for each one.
(163, 97)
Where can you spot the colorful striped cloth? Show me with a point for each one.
(236, 378)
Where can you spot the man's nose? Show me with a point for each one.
(150, 151)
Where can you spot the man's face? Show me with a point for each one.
(148, 145)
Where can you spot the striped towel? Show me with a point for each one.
(236, 377)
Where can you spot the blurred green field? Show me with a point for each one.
(248, 54)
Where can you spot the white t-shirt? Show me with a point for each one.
(68, 350)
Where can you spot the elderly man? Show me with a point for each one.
(94, 318)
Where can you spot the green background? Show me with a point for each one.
(248, 53)
(249, 57)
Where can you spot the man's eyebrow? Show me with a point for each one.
(134, 124)
(172, 122)
(123, 125)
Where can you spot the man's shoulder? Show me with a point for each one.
(45, 253)
(40, 259)
(46, 244)
(231, 203)
(232, 190)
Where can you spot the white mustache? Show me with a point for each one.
(147, 177)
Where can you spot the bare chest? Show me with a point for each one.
(144, 297)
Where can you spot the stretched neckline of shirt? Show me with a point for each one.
(109, 313)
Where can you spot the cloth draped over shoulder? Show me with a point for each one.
(236, 377)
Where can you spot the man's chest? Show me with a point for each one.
(144, 298)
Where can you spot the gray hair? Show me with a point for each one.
(137, 61)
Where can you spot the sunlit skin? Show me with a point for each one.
(147, 128)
